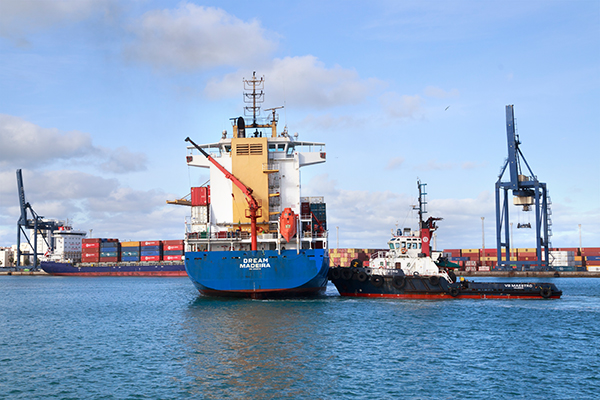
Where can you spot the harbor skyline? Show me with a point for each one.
(98, 97)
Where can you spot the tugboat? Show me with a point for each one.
(411, 270)
(251, 234)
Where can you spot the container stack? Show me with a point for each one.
(130, 251)
(343, 257)
(592, 258)
(200, 210)
(173, 250)
(151, 250)
(562, 260)
(110, 250)
(90, 250)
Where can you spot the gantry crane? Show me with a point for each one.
(36, 222)
(529, 193)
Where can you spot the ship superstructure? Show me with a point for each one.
(253, 211)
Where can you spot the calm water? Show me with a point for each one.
(156, 338)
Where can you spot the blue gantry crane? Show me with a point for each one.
(35, 223)
(530, 194)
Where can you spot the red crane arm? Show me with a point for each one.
(245, 189)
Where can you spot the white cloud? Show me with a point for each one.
(197, 38)
(21, 17)
(26, 145)
(439, 93)
(121, 160)
(395, 163)
(402, 106)
(301, 82)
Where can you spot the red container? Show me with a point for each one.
(170, 247)
(200, 196)
(95, 245)
(172, 242)
(173, 258)
(151, 243)
(109, 259)
(93, 250)
(91, 240)
(590, 251)
(90, 257)
(150, 258)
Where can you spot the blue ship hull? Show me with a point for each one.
(258, 274)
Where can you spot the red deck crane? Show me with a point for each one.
(252, 203)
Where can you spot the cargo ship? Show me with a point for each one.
(251, 233)
(410, 269)
(70, 254)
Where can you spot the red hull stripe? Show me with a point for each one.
(445, 296)
(129, 273)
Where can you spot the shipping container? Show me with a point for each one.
(130, 244)
(150, 252)
(150, 258)
(92, 250)
(173, 257)
(151, 243)
(200, 196)
(125, 258)
(90, 240)
(172, 242)
(109, 259)
(171, 247)
(94, 245)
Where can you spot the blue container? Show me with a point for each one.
(109, 253)
(109, 245)
(173, 253)
(593, 258)
(130, 258)
(150, 252)
(151, 248)
(135, 253)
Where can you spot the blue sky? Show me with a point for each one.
(98, 96)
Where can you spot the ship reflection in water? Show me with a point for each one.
(254, 349)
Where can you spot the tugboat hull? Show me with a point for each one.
(355, 282)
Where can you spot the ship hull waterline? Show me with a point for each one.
(138, 269)
(259, 274)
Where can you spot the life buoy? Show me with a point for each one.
(404, 250)
(377, 280)
(546, 292)
(398, 282)
(434, 280)
(361, 276)
(454, 291)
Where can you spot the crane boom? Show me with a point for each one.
(252, 203)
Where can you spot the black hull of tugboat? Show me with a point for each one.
(356, 282)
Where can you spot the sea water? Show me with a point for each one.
(157, 338)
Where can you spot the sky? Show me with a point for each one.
(97, 97)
